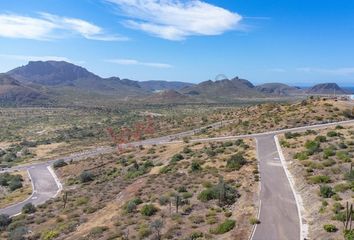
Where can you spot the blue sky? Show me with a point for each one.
(299, 42)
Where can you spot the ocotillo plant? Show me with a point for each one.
(348, 218)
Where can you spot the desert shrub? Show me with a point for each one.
(98, 230)
(312, 147)
(148, 210)
(337, 207)
(329, 162)
(330, 228)
(5, 221)
(165, 169)
(86, 176)
(12, 181)
(321, 138)
(328, 152)
(349, 234)
(224, 227)
(342, 145)
(49, 235)
(195, 167)
(320, 179)
(239, 142)
(164, 200)
(332, 134)
(196, 235)
(176, 158)
(131, 206)
(15, 184)
(326, 191)
(28, 208)
(235, 162)
(59, 163)
(301, 155)
(341, 187)
(223, 192)
(18, 233)
(289, 135)
(187, 150)
(144, 231)
(343, 155)
(349, 176)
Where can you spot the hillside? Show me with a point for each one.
(169, 96)
(278, 89)
(158, 85)
(326, 88)
(12, 92)
(223, 89)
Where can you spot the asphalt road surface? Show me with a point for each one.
(279, 215)
(44, 186)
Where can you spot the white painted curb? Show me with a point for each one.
(297, 196)
(56, 179)
(259, 194)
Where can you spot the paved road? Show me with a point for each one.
(279, 215)
(44, 185)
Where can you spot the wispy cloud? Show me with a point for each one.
(48, 26)
(336, 71)
(176, 19)
(136, 62)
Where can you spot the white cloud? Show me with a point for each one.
(176, 19)
(48, 26)
(136, 62)
(336, 71)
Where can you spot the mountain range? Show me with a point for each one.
(65, 83)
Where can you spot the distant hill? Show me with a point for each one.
(68, 84)
(279, 89)
(223, 90)
(158, 85)
(326, 88)
(63, 77)
(169, 96)
(12, 92)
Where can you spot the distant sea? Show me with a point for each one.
(351, 89)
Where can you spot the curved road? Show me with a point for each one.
(279, 213)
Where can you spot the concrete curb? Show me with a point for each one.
(259, 195)
(297, 196)
(56, 179)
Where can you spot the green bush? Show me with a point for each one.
(332, 134)
(86, 176)
(176, 158)
(49, 235)
(196, 235)
(326, 191)
(224, 227)
(28, 208)
(329, 152)
(321, 138)
(59, 163)
(312, 147)
(195, 167)
(320, 179)
(344, 156)
(236, 162)
(148, 210)
(301, 156)
(330, 228)
(5, 221)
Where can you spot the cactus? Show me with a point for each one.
(348, 218)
